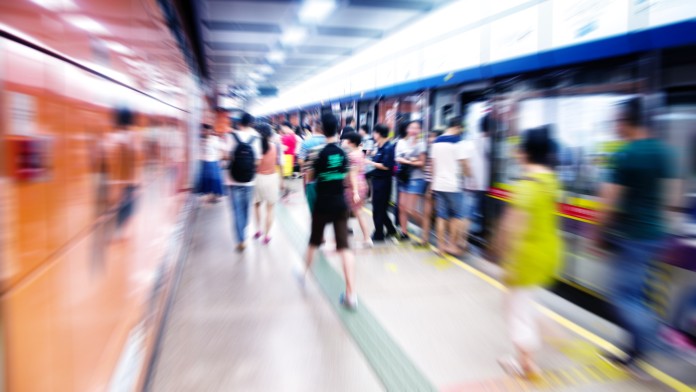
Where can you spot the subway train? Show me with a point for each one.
(577, 101)
(99, 106)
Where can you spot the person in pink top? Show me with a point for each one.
(356, 184)
(268, 182)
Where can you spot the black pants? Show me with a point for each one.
(381, 192)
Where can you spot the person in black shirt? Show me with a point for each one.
(330, 169)
(350, 126)
(383, 162)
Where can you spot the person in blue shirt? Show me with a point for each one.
(383, 162)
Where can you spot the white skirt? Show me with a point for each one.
(522, 318)
(267, 188)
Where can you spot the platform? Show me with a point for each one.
(241, 322)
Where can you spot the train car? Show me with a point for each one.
(98, 106)
(571, 82)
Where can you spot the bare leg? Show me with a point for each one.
(270, 208)
(363, 223)
(440, 237)
(427, 218)
(404, 208)
(466, 224)
(454, 230)
(311, 250)
(348, 270)
(257, 216)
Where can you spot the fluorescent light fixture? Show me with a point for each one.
(256, 76)
(293, 35)
(119, 48)
(314, 11)
(266, 69)
(87, 24)
(56, 5)
(276, 57)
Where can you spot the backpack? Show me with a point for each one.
(243, 162)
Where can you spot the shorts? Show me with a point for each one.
(340, 224)
(470, 204)
(267, 188)
(415, 186)
(449, 205)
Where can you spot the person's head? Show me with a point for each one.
(349, 121)
(124, 118)
(380, 133)
(364, 130)
(286, 128)
(413, 129)
(351, 140)
(454, 124)
(247, 120)
(329, 124)
(266, 133)
(537, 147)
(630, 118)
(206, 130)
(486, 124)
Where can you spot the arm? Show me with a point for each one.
(466, 167)
(508, 234)
(609, 195)
(354, 181)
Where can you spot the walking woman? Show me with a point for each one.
(267, 182)
(530, 248)
(356, 184)
(210, 178)
(410, 155)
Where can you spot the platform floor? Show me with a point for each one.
(241, 322)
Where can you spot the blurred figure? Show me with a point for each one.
(632, 219)
(289, 141)
(529, 246)
(367, 143)
(125, 144)
(450, 161)
(210, 179)
(313, 144)
(244, 149)
(329, 168)
(383, 163)
(356, 185)
(428, 196)
(267, 189)
(350, 126)
(410, 155)
(477, 185)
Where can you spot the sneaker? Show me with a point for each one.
(350, 303)
(402, 236)
(241, 247)
(628, 364)
(257, 235)
(266, 240)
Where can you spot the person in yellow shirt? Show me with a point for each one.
(530, 247)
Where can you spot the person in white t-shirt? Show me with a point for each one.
(476, 186)
(210, 179)
(242, 192)
(450, 160)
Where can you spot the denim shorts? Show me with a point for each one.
(449, 205)
(414, 186)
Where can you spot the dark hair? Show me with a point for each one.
(349, 119)
(246, 120)
(329, 124)
(382, 130)
(437, 132)
(124, 117)
(287, 124)
(538, 146)
(486, 123)
(266, 133)
(455, 121)
(365, 128)
(631, 112)
(353, 138)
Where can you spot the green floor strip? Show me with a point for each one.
(394, 369)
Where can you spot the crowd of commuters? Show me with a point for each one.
(441, 175)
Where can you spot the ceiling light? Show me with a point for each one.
(314, 11)
(256, 76)
(266, 69)
(87, 24)
(56, 5)
(294, 35)
(276, 57)
(119, 48)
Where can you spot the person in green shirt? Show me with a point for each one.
(632, 226)
(530, 247)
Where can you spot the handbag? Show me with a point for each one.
(404, 173)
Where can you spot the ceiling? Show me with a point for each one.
(245, 40)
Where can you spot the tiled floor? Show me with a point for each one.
(242, 323)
